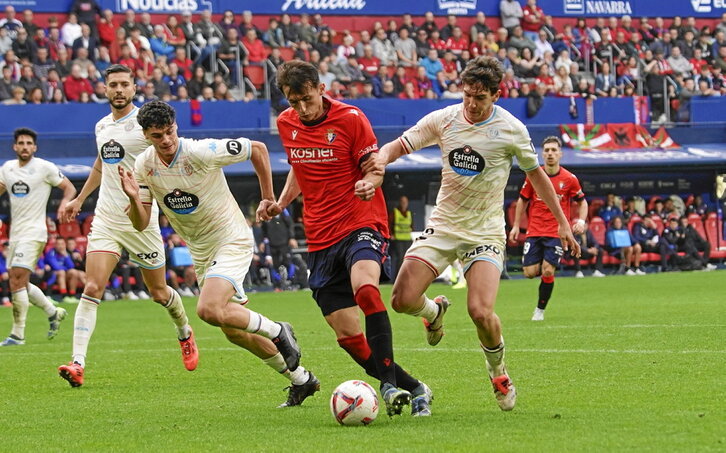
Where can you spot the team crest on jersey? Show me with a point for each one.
(330, 135)
(466, 162)
(181, 202)
(20, 189)
(112, 152)
(129, 126)
(492, 132)
(562, 185)
(294, 134)
(188, 169)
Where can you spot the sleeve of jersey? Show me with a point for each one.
(527, 190)
(422, 134)
(144, 190)
(524, 150)
(220, 153)
(577, 193)
(365, 141)
(54, 176)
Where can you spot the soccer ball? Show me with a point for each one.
(354, 403)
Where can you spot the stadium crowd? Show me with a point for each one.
(185, 57)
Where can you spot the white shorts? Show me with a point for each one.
(145, 248)
(231, 262)
(438, 249)
(24, 254)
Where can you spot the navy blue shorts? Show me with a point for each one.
(330, 267)
(538, 249)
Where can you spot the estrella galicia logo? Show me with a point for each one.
(20, 189)
(466, 162)
(234, 147)
(181, 202)
(112, 152)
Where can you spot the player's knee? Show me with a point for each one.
(531, 272)
(481, 315)
(93, 289)
(548, 272)
(160, 295)
(210, 314)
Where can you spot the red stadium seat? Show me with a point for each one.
(635, 218)
(69, 230)
(4, 231)
(594, 208)
(713, 227)
(523, 222)
(86, 227)
(651, 202)
(256, 75)
(598, 228)
(658, 223)
(411, 72)
(695, 221)
(287, 53)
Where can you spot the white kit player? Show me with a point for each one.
(186, 178)
(478, 141)
(120, 140)
(28, 181)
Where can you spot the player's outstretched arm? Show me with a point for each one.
(69, 191)
(289, 192)
(68, 211)
(386, 155)
(579, 226)
(139, 214)
(261, 162)
(521, 207)
(543, 186)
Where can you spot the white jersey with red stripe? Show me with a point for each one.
(477, 159)
(193, 193)
(119, 143)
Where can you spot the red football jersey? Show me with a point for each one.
(542, 222)
(326, 158)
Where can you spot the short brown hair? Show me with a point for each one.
(296, 75)
(552, 139)
(484, 71)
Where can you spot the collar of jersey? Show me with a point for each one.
(481, 123)
(176, 155)
(128, 115)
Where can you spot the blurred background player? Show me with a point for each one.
(478, 142)
(120, 140)
(28, 181)
(401, 221)
(326, 141)
(543, 248)
(189, 181)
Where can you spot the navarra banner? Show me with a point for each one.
(614, 136)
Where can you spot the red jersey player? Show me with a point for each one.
(346, 224)
(543, 249)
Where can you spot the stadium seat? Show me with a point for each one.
(635, 218)
(651, 202)
(411, 72)
(287, 53)
(255, 74)
(86, 227)
(598, 228)
(696, 222)
(69, 230)
(81, 244)
(658, 223)
(713, 227)
(594, 208)
(4, 231)
(523, 223)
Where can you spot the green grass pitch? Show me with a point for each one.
(620, 363)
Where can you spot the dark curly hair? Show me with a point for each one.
(25, 131)
(296, 75)
(156, 114)
(486, 72)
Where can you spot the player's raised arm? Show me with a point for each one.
(69, 210)
(138, 212)
(546, 192)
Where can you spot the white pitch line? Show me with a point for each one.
(435, 350)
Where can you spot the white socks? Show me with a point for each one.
(277, 363)
(429, 311)
(83, 325)
(495, 358)
(176, 310)
(20, 313)
(262, 326)
(38, 299)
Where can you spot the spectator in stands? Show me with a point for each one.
(610, 209)
(289, 30)
(129, 22)
(24, 47)
(75, 84)
(5, 42)
(137, 43)
(679, 63)
(274, 36)
(646, 234)
(174, 80)
(60, 267)
(42, 64)
(406, 50)
(457, 43)
(79, 261)
(532, 19)
(11, 61)
(345, 50)
(305, 29)
(106, 28)
(432, 64)
(688, 90)
(197, 83)
(227, 22)
(590, 249)
(159, 43)
(6, 84)
(232, 52)
(35, 96)
(535, 99)
(147, 93)
(623, 246)
(325, 75)
(28, 80)
(63, 64)
(86, 11)
(383, 48)
(720, 60)
(519, 41)
(388, 90)
(324, 45)
(10, 22)
(479, 26)
(161, 88)
(145, 25)
(70, 31)
(84, 62)
(510, 11)
(698, 206)
(542, 45)
(631, 209)
(246, 24)
(563, 83)
(184, 63)
(208, 37)
(604, 80)
(256, 52)
(57, 96)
